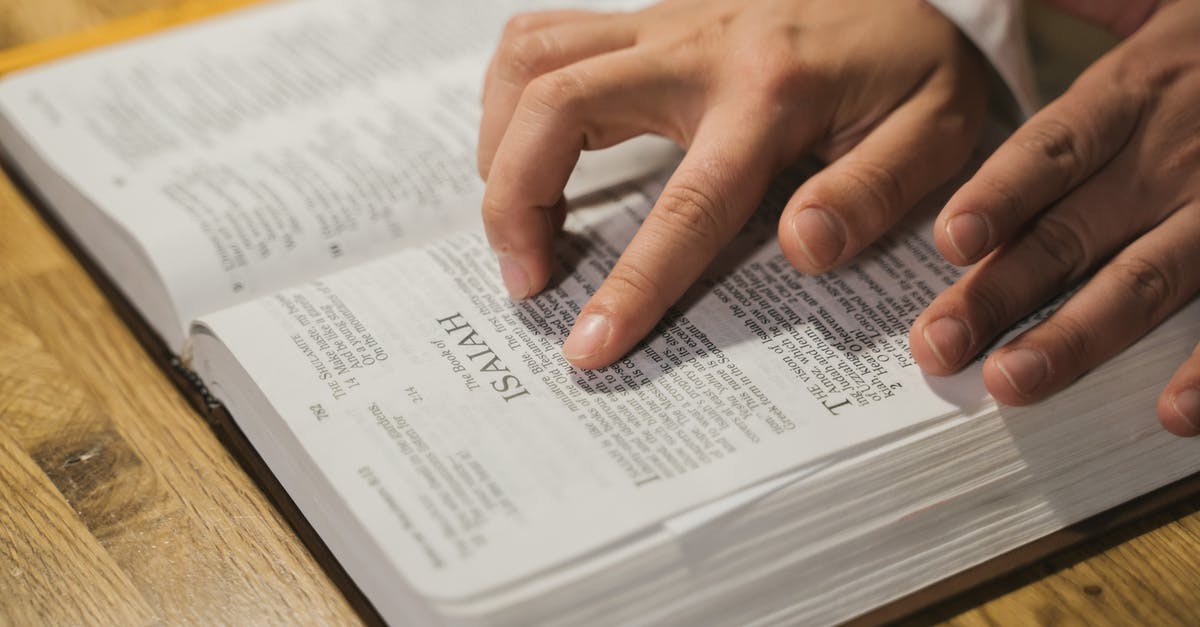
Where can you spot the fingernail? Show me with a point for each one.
(968, 234)
(1025, 368)
(1187, 405)
(515, 279)
(948, 338)
(587, 337)
(820, 236)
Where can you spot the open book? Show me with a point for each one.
(287, 195)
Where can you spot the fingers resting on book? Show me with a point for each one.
(1100, 186)
(747, 88)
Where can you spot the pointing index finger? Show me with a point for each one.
(703, 205)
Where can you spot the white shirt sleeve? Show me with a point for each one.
(997, 28)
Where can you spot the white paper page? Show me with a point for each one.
(281, 142)
(407, 376)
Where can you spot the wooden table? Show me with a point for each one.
(118, 505)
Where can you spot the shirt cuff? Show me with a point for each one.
(997, 28)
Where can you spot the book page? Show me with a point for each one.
(279, 142)
(447, 419)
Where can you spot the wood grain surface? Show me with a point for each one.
(118, 505)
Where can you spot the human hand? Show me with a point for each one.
(886, 90)
(1120, 17)
(1107, 176)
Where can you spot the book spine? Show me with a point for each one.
(194, 389)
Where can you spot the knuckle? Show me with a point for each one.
(1054, 141)
(773, 72)
(995, 305)
(702, 38)
(1012, 207)
(884, 190)
(955, 121)
(771, 64)
(961, 126)
(492, 212)
(1184, 160)
(1149, 282)
(1073, 340)
(520, 23)
(1146, 75)
(526, 56)
(629, 281)
(558, 91)
(1163, 75)
(1062, 244)
(688, 209)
